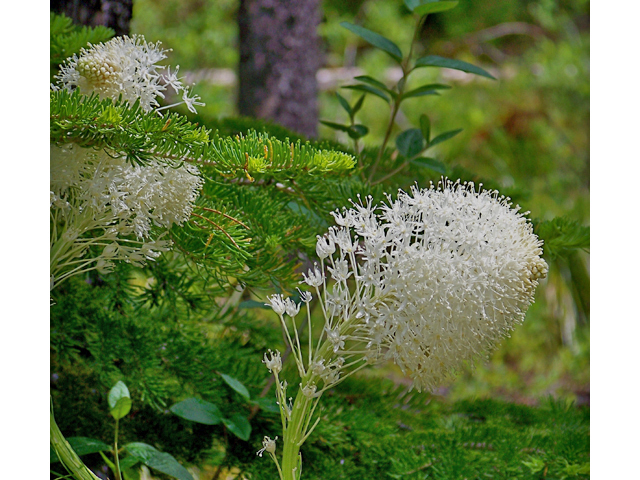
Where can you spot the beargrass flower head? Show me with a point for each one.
(444, 273)
(126, 66)
(121, 210)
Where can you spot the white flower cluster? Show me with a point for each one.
(124, 66)
(430, 280)
(117, 203)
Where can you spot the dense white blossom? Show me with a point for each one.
(430, 280)
(117, 203)
(124, 66)
(449, 271)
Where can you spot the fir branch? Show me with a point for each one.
(562, 236)
(127, 130)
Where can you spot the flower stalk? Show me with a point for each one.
(67, 455)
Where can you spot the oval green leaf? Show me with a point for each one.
(238, 425)
(437, 61)
(160, 461)
(410, 142)
(375, 39)
(236, 385)
(430, 163)
(122, 408)
(444, 136)
(357, 131)
(118, 391)
(197, 410)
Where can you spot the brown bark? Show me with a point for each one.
(114, 14)
(279, 58)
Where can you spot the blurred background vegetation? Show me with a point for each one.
(528, 130)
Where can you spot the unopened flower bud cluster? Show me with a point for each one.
(124, 66)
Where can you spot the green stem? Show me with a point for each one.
(291, 459)
(67, 455)
(396, 103)
(115, 453)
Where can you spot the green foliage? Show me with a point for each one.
(197, 410)
(562, 236)
(129, 131)
(437, 61)
(202, 32)
(249, 215)
(160, 461)
(376, 40)
(372, 428)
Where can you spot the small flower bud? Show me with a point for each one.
(277, 303)
(325, 247)
(309, 390)
(315, 278)
(274, 364)
(268, 446)
(292, 308)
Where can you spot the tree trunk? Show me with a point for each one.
(279, 58)
(114, 14)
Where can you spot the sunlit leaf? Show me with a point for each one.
(197, 410)
(119, 401)
(236, 385)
